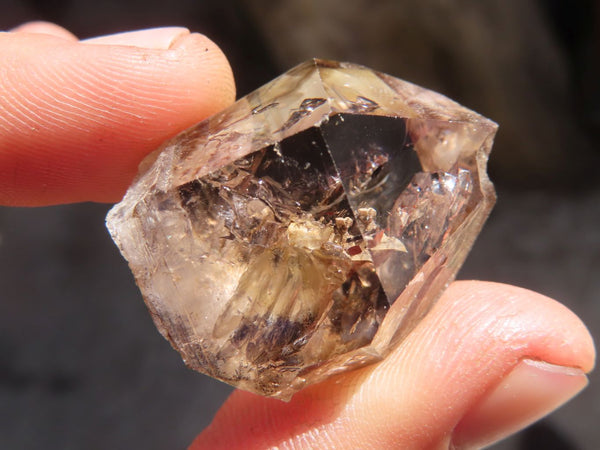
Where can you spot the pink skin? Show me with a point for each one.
(75, 120)
(440, 387)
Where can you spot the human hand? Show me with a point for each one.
(76, 119)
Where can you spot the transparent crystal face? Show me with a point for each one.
(306, 229)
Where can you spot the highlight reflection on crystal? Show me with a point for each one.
(306, 229)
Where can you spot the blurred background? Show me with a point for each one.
(81, 364)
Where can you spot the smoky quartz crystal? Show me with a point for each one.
(306, 229)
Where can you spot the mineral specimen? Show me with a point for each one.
(307, 228)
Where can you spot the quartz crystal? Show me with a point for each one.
(306, 229)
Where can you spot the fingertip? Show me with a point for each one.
(531, 323)
(193, 81)
(117, 101)
(203, 55)
(202, 70)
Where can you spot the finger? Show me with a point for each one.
(472, 354)
(40, 27)
(76, 118)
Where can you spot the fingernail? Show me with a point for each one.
(530, 391)
(154, 38)
(41, 27)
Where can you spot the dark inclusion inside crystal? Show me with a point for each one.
(304, 214)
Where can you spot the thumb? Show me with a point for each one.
(76, 117)
(486, 361)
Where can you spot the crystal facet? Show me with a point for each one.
(307, 228)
